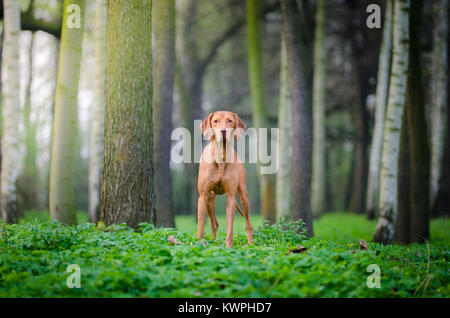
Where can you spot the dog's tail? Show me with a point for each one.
(239, 209)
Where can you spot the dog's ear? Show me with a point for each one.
(239, 127)
(206, 127)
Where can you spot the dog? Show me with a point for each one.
(222, 172)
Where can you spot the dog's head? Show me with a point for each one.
(222, 125)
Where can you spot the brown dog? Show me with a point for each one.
(221, 171)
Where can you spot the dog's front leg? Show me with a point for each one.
(231, 206)
(201, 216)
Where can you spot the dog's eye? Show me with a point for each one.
(230, 121)
(215, 121)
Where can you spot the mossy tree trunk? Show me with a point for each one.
(319, 142)
(98, 111)
(127, 193)
(301, 117)
(384, 66)
(164, 11)
(10, 111)
(384, 231)
(65, 121)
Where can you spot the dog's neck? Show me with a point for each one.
(222, 153)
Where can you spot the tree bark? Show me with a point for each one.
(384, 231)
(11, 111)
(65, 122)
(259, 111)
(439, 94)
(283, 188)
(380, 111)
(127, 194)
(418, 141)
(319, 132)
(403, 221)
(162, 108)
(301, 118)
(98, 111)
(27, 182)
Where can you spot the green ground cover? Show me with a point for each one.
(120, 262)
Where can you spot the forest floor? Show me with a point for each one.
(117, 261)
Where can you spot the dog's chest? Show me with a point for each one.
(219, 180)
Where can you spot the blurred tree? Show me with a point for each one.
(319, 143)
(403, 220)
(358, 41)
(10, 111)
(439, 94)
(98, 111)
(164, 15)
(384, 64)
(127, 193)
(65, 122)
(27, 182)
(40, 15)
(301, 117)
(283, 188)
(384, 231)
(258, 101)
(418, 137)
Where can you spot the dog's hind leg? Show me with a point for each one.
(243, 197)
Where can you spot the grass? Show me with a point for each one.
(121, 262)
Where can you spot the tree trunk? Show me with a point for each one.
(258, 101)
(319, 143)
(65, 122)
(162, 108)
(418, 138)
(439, 94)
(27, 183)
(98, 112)
(11, 111)
(384, 231)
(403, 221)
(301, 118)
(127, 193)
(283, 190)
(359, 115)
(380, 110)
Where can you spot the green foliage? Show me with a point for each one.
(117, 261)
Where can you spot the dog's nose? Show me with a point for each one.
(223, 131)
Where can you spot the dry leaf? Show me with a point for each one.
(299, 249)
(173, 240)
(362, 244)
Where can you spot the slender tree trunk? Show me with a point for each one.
(258, 101)
(418, 141)
(403, 221)
(98, 111)
(127, 193)
(380, 110)
(283, 189)
(301, 118)
(162, 108)
(319, 133)
(11, 111)
(65, 122)
(28, 178)
(189, 86)
(439, 94)
(384, 231)
(359, 116)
